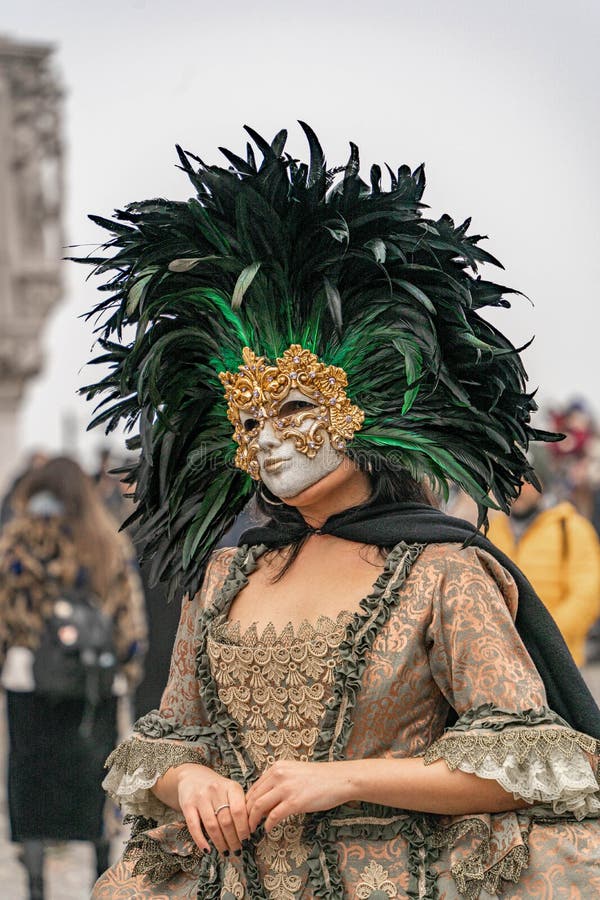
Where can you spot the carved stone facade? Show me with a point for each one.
(31, 238)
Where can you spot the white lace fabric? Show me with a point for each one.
(135, 767)
(133, 795)
(542, 765)
(567, 784)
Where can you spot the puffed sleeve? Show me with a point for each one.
(505, 729)
(179, 732)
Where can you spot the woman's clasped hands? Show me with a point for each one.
(217, 810)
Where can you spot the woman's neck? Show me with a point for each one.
(341, 489)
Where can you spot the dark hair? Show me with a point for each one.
(93, 530)
(390, 484)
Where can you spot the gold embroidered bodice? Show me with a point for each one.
(276, 687)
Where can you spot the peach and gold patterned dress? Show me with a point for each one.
(436, 632)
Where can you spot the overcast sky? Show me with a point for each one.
(499, 99)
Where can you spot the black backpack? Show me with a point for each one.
(76, 657)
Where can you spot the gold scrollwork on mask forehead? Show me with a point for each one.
(260, 388)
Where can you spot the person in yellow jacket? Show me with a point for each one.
(559, 552)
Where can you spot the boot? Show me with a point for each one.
(36, 887)
(32, 857)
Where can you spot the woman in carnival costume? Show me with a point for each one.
(366, 698)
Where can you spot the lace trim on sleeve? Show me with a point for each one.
(534, 755)
(490, 857)
(137, 764)
(159, 853)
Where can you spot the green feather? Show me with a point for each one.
(284, 251)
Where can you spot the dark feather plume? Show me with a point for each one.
(278, 252)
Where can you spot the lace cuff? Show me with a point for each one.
(534, 755)
(485, 852)
(138, 762)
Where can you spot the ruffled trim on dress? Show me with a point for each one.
(533, 754)
(137, 763)
(375, 610)
(235, 758)
(159, 853)
(500, 854)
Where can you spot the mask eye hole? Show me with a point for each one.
(294, 406)
(250, 424)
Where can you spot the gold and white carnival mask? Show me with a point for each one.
(291, 419)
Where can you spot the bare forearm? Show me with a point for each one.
(410, 784)
(167, 786)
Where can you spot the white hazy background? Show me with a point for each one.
(499, 99)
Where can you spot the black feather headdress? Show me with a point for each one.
(272, 253)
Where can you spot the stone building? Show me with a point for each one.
(31, 237)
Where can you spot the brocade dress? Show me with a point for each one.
(435, 633)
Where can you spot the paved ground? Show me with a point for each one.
(69, 867)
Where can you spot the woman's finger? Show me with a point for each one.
(259, 785)
(228, 829)
(192, 819)
(262, 806)
(211, 825)
(239, 813)
(278, 813)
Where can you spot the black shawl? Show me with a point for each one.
(386, 525)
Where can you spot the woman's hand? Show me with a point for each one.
(213, 806)
(289, 787)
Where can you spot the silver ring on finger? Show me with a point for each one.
(222, 806)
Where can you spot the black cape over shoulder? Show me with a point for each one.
(386, 525)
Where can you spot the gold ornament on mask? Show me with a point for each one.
(260, 389)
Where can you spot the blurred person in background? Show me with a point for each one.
(35, 460)
(584, 483)
(575, 421)
(64, 572)
(570, 459)
(558, 550)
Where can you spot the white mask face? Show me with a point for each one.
(283, 469)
